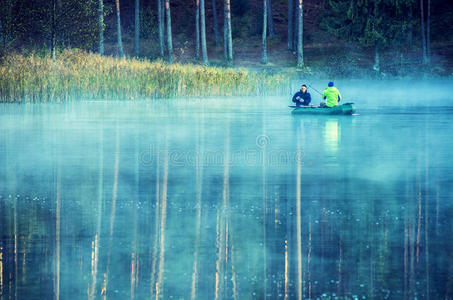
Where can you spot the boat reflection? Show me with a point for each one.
(332, 135)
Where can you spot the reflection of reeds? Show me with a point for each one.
(76, 74)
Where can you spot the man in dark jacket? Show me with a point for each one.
(302, 97)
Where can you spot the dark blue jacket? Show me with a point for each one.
(302, 98)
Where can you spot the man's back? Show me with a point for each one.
(332, 95)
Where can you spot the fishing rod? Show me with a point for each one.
(314, 89)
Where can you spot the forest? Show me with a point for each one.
(375, 34)
(98, 49)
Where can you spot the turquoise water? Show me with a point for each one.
(224, 199)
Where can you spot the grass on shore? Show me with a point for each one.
(79, 75)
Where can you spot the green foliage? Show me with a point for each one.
(367, 22)
(31, 23)
(148, 24)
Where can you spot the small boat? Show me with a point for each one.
(344, 109)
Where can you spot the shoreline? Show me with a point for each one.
(76, 74)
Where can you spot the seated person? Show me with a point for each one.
(332, 96)
(302, 97)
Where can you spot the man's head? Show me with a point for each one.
(303, 88)
(330, 84)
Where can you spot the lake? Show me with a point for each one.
(225, 199)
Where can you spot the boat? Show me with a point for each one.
(344, 109)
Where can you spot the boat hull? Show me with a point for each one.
(344, 109)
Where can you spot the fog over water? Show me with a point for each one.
(230, 198)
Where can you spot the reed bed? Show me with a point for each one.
(80, 75)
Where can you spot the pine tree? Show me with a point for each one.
(227, 35)
(101, 26)
(362, 22)
(169, 36)
(264, 44)
(137, 28)
(118, 29)
(204, 50)
(215, 22)
(53, 25)
(197, 29)
(160, 24)
(300, 50)
(428, 32)
(290, 24)
(270, 19)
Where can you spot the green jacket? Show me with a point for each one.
(332, 96)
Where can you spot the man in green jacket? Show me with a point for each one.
(332, 95)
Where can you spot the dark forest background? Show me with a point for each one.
(381, 35)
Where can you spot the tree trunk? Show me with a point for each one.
(225, 31)
(270, 20)
(204, 50)
(2, 39)
(422, 31)
(264, 44)
(118, 29)
(296, 24)
(60, 37)
(428, 33)
(377, 65)
(230, 39)
(169, 37)
(290, 24)
(229, 33)
(197, 29)
(101, 26)
(137, 28)
(160, 21)
(215, 23)
(300, 50)
(409, 28)
(53, 41)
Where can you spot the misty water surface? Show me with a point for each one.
(229, 198)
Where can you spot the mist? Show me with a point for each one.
(221, 198)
